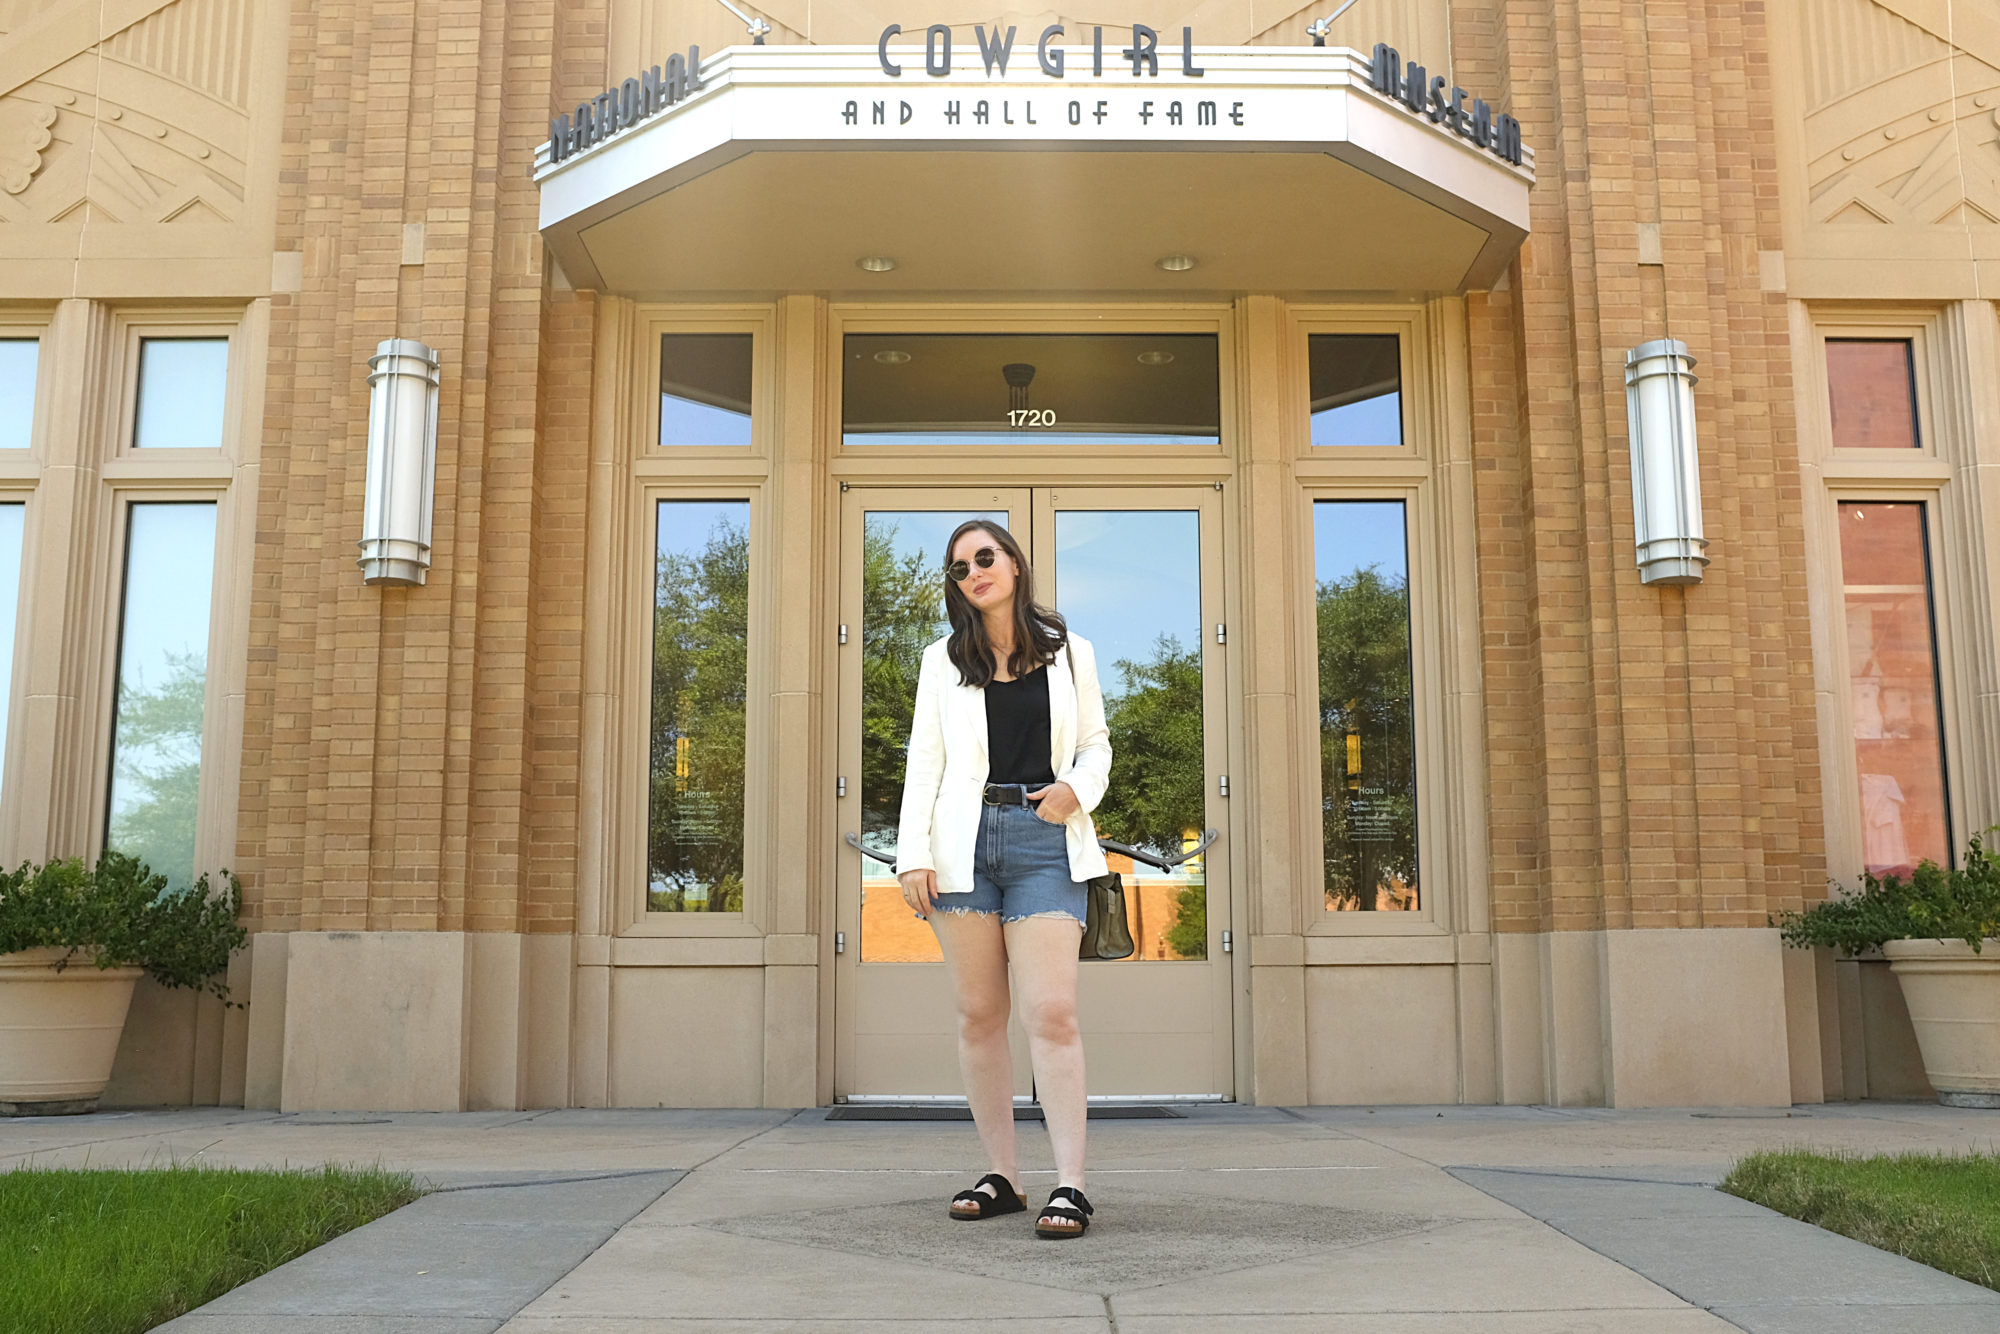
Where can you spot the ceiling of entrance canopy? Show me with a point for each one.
(772, 177)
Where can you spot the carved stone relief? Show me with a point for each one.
(1902, 125)
(148, 126)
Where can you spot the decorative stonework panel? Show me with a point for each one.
(204, 44)
(26, 130)
(157, 153)
(1902, 127)
(138, 146)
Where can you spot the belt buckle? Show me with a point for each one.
(986, 795)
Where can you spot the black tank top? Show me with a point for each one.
(1017, 730)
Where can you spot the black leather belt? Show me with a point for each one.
(1009, 794)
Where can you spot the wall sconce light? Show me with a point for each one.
(1666, 481)
(402, 462)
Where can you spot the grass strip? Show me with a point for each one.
(116, 1252)
(1937, 1209)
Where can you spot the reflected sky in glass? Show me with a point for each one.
(923, 533)
(687, 525)
(1126, 577)
(686, 422)
(17, 390)
(162, 674)
(181, 393)
(1372, 421)
(12, 518)
(1350, 535)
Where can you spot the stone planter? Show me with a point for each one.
(58, 1031)
(1954, 999)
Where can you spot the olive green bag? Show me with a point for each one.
(1107, 934)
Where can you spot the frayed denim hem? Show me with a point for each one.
(1057, 913)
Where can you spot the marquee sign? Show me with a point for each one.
(949, 113)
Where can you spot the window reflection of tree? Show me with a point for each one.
(1157, 774)
(902, 612)
(701, 630)
(1367, 751)
(156, 767)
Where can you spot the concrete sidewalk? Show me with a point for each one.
(1399, 1220)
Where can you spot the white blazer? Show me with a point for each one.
(944, 782)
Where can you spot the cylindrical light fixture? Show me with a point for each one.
(402, 462)
(1666, 478)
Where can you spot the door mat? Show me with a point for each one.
(869, 1111)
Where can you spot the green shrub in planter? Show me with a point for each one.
(1933, 904)
(121, 915)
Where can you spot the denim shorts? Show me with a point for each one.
(1020, 869)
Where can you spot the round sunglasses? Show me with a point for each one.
(959, 571)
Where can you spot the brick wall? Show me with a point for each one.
(405, 762)
(1654, 750)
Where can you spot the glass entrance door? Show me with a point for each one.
(1135, 571)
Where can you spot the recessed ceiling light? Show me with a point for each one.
(1155, 358)
(1175, 263)
(876, 263)
(891, 357)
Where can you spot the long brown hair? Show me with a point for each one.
(1039, 634)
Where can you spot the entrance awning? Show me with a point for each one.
(1276, 169)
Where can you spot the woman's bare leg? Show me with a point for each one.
(977, 954)
(1043, 952)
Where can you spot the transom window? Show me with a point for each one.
(1872, 388)
(1356, 383)
(705, 381)
(18, 357)
(1031, 389)
(183, 385)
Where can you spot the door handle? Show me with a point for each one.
(856, 844)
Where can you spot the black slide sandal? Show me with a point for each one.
(1075, 1209)
(1004, 1199)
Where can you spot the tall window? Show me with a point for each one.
(13, 517)
(17, 390)
(162, 685)
(1368, 775)
(701, 639)
(1893, 685)
(183, 385)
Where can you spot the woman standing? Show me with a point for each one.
(1008, 756)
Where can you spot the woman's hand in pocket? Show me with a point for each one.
(919, 890)
(1058, 802)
